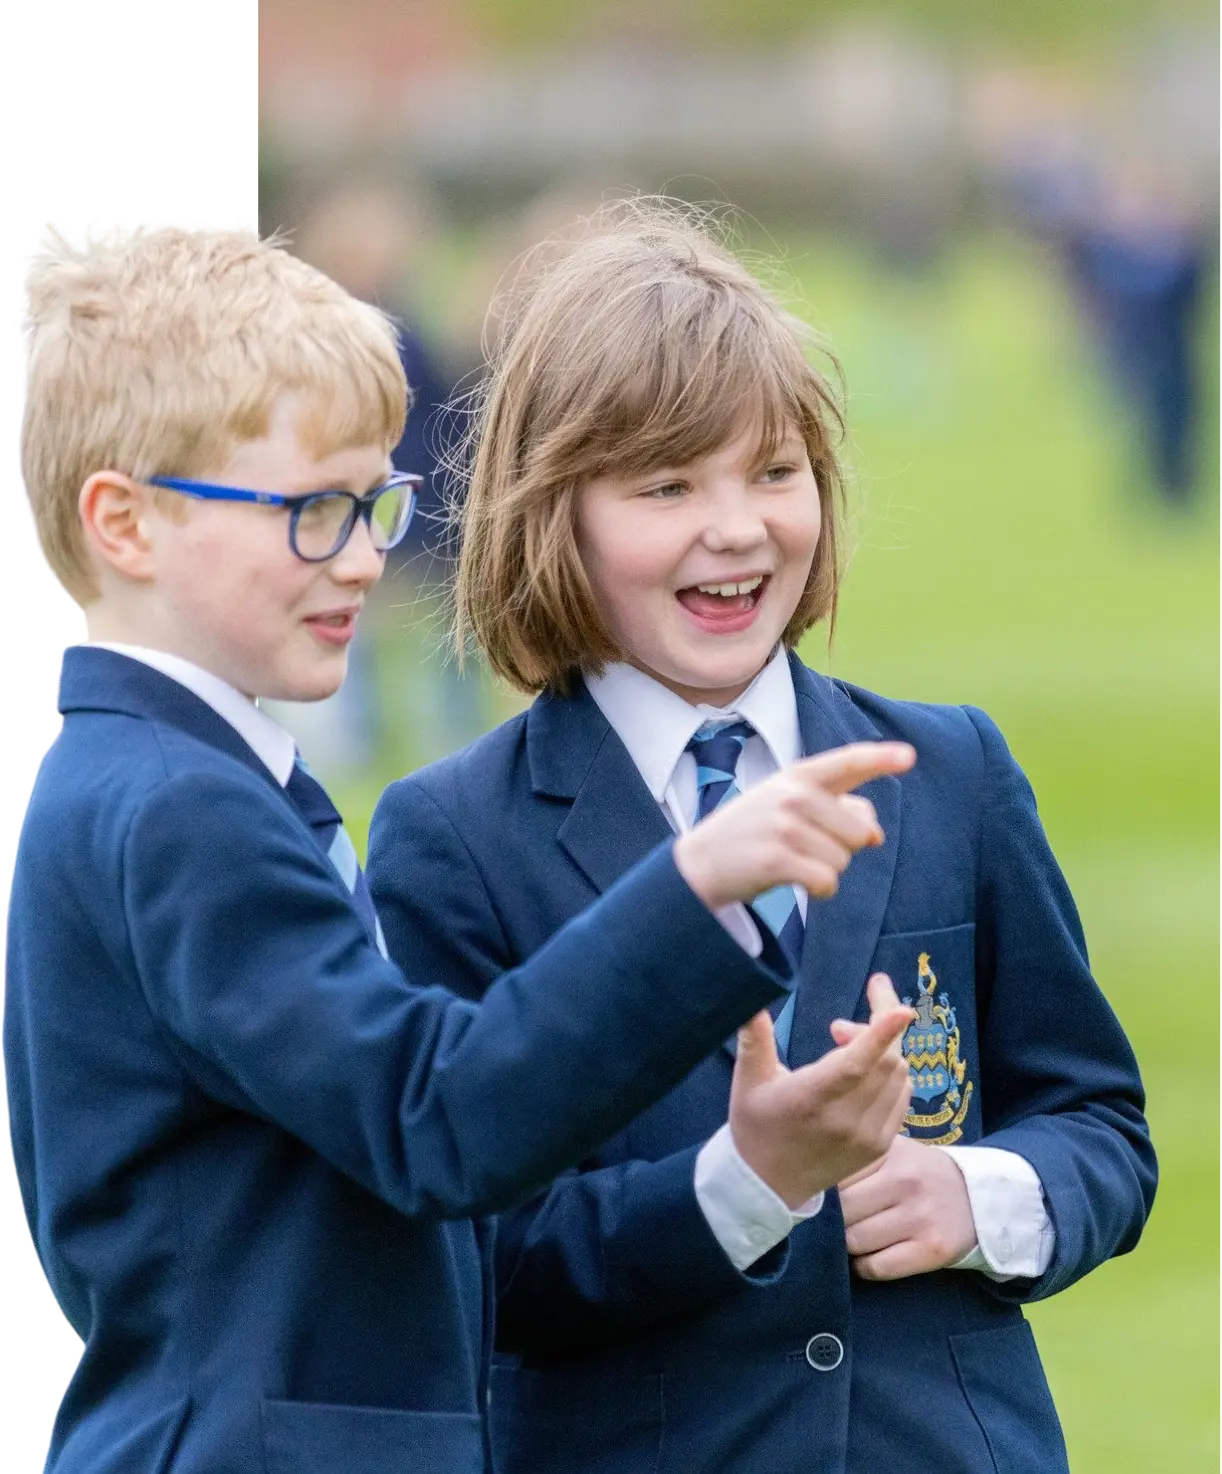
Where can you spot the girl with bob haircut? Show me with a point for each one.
(631, 352)
(654, 518)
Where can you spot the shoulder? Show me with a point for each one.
(961, 753)
(119, 796)
(959, 730)
(936, 725)
(117, 763)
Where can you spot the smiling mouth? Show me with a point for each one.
(334, 628)
(716, 601)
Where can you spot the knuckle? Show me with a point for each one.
(856, 1071)
(864, 809)
(823, 881)
(792, 795)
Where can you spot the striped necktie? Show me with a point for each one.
(717, 747)
(316, 808)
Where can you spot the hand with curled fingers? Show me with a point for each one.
(907, 1213)
(804, 1130)
(800, 827)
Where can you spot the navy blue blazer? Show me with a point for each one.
(632, 1343)
(238, 1130)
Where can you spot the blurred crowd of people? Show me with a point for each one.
(1136, 265)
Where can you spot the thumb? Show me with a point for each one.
(757, 1060)
(881, 994)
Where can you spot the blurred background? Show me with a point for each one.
(1004, 221)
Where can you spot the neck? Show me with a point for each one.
(719, 696)
(105, 625)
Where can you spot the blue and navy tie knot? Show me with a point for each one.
(717, 747)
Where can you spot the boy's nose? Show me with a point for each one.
(358, 561)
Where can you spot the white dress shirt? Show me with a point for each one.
(1013, 1231)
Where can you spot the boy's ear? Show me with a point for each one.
(114, 513)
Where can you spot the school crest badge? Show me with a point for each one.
(941, 1094)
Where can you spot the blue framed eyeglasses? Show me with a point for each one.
(321, 522)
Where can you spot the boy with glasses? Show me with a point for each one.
(248, 1148)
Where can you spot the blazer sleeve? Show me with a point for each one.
(604, 1251)
(1060, 1083)
(261, 972)
(608, 1252)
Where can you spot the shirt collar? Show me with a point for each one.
(272, 745)
(655, 724)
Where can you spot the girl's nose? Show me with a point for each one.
(734, 523)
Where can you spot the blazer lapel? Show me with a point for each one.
(841, 934)
(612, 820)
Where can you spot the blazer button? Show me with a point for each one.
(825, 1352)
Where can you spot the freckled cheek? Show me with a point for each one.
(798, 538)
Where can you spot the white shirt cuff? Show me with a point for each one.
(1014, 1234)
(738, 922)
(747, 1218)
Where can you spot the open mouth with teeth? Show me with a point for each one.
(724, 605)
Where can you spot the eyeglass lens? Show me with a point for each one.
(325, 522)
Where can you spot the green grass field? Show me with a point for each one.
(1007, 555)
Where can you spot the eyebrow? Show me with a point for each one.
(791, 445)
(343, 483)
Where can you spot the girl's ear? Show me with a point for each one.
(114, 512)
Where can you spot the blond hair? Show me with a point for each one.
(644, 342)
(158, 353)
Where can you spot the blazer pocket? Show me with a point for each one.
(935, 971)
(1004, 1383)
(950, 953)
(546, 1422)
(320, 1438)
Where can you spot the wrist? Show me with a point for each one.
(796, 1189)
(694, 865)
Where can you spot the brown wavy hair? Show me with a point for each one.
(640, 342)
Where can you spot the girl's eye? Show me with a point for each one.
(668, 492)
(777, 473)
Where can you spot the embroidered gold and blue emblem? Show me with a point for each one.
(941, 1094)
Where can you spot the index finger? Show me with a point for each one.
(880, 1034)
(844, 768)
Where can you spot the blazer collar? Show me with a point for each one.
(574, 754)
(95, 679)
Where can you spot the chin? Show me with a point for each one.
(314, 685)
(714, 688)
(738, 672)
